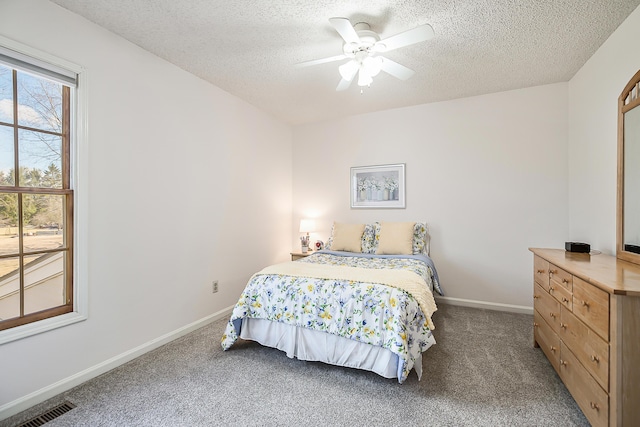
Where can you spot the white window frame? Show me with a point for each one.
(79, 179)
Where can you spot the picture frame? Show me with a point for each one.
(378, 187)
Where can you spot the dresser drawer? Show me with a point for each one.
(547, 340)
(547, 306)
(560, 277)
(591, 305)
(541, 272)
(561, 294)
(591, 350)
(591, 398)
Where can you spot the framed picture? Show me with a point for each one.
(378, 186)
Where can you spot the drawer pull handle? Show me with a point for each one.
(552, 272)
(565, 281)
(563, 325)
(564, 299)
(536, 297)
(595, 358)
(553, 315)
(563, 362)
(535, 324)
(551, 289)
(540, 272)
(594, 406)
(553, 349)
(585, 303)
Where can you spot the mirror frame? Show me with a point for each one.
(628, 100)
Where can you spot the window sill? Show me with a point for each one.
(35, 328)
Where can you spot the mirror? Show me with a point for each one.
(628, 221)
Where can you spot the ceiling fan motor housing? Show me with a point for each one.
(368, 39)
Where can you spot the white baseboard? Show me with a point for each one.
(484, 304)
(12, 408)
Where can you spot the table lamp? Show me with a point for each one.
(306, 226)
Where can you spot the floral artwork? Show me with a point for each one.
(377, 186)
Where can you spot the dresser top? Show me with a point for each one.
(604, 271)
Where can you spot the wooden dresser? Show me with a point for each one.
(587, 323)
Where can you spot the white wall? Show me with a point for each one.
(488, 173)
(593, 115)
(180, 192)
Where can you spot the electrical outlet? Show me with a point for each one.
(215, 286)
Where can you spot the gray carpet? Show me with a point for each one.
(483, 371)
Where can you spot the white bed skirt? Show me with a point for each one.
(310, 345)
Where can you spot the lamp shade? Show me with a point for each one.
(307, 226)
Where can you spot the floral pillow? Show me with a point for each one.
(369, 240)
(420, 239)
(330, 240)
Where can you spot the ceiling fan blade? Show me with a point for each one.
(345, 29)
(343, 85)
(320, 61)
(396, 70)
(416, 35)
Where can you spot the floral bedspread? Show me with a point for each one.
(414, 263)
(367, 312)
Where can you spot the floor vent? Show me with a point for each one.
(49, 415)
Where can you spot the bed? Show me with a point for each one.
(364, 302)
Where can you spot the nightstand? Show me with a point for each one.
(298, 255)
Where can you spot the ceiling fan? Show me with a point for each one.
(363, 46)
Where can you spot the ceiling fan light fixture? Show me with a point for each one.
(364, 78)
(348, 70)
(373, 64)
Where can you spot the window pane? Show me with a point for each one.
(7, 159)
(9, 288)
(6, 95)
(9, 242)
(42, 216)
(43, 282)
(40, 159)
(39, 103)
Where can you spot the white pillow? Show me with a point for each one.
(396, 238)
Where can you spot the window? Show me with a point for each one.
(36, 190)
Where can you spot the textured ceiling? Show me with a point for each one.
(249, 47)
